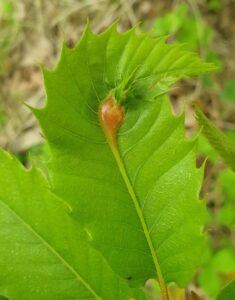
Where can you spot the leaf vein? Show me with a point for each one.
(52, 250)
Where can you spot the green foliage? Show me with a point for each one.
(135, 200)
(214, 4)
(228, 293)
(2, 118)
(205, 149)
(231, 135)
(43, 252)
(219, 261)
(6, 8)
(226, 215)
(217, 139)
(172, 22)
(146, 214)
(187, 29)
(217, 265)
(228, 94)
(225, 202)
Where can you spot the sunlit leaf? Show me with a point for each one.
(43, 254)
(137, 196)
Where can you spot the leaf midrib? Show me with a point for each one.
(131, 191)
(52, 250)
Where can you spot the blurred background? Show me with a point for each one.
(30, 34)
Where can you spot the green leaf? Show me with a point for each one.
(228, 293)
(184, 27)
(226, 179)
(206, 150)
(216, 268)
(138, 201)
(171, 22)
(219, 141)
(43, 254)
(228, 94)
(225, 215)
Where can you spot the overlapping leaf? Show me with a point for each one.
(228, 293)
(154, 221)
(218, 140)
(43, 254)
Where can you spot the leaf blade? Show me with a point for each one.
(228, 293)
(41, 246)
(82, 156)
